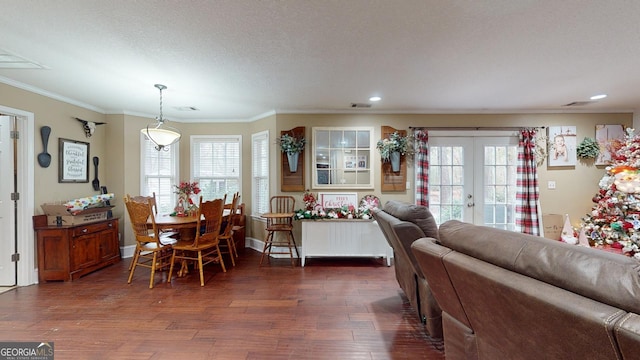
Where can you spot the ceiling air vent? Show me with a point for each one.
(578, 103)
(186, 108)
(360, 105)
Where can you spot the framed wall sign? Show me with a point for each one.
(610, 138)
(73, 161)
(337, 200)
(562, 146)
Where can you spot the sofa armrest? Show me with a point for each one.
(429, 255)
(628, 336)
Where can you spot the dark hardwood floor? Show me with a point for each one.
(330, 309)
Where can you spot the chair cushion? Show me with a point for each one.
(168, 238)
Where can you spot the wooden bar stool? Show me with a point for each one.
(280, 220)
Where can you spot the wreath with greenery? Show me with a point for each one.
(588, 149)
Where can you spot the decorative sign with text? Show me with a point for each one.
(337, 200)
(73, 161)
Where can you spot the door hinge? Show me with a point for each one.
(15, 257)
(15, 196)
(14, 134)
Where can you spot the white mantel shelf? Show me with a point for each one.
(343, 238)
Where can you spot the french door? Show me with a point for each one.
(473, 179)
(7, 205)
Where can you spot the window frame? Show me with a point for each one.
(262, 137)
(197, 139)
(175, 172)
(341, 166)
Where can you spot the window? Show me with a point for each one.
(342, 157)
(215, 165)
(260, 172)
(159, 172)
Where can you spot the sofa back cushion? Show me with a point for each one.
(419, 215)
(385, 221)
(606, 277)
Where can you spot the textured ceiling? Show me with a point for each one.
(239, 59)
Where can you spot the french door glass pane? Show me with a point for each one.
(499, 186)
(446, 182)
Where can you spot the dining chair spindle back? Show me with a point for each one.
(153, 250)
(204, 249)
(227, 244)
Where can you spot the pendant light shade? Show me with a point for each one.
(159, 133)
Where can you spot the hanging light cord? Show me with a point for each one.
(160, 119)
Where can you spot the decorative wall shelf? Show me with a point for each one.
(393, 181)
(293, 181)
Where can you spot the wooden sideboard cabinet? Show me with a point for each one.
(69, 252)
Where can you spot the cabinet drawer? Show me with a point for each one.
(92, 228)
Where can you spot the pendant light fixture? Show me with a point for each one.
(159, 133)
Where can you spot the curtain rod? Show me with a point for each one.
(508, 128)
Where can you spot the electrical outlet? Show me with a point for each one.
(551, 185)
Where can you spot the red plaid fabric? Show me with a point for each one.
(527, 192)
(422, 166)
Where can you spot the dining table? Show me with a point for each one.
(185, 226)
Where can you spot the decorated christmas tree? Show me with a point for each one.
(615, 218)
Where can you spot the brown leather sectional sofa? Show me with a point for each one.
(506, 295)
(402, 224)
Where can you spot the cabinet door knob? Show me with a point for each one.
(110, 224)
(85, 230)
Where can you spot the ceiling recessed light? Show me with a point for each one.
(375, 98)
(598, 97)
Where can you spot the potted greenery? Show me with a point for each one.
(292, 146)
(392, 148)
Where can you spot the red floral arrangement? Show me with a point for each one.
(309, 199)
(187, 188)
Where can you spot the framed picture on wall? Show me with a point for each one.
(355, 162)
(73, 161)
(610, 139)
(562, 146)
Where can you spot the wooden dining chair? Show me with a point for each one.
(227, 244)
(153, 250)
(204, 248)
(149, 199)
(280, 225)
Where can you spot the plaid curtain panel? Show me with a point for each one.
(527, 192)
(422, 166)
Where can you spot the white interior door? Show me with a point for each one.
(473, 179)
(7, 206)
